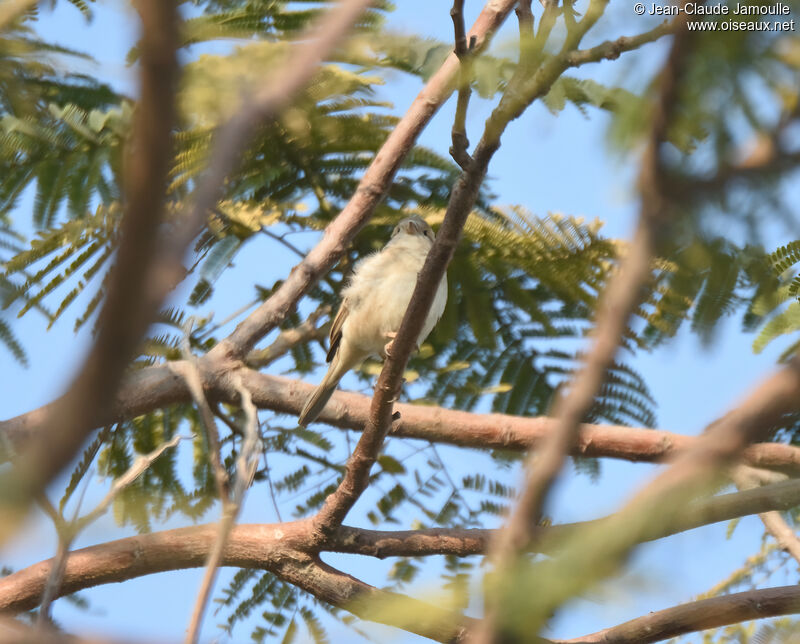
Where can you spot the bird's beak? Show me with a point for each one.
(413, 228)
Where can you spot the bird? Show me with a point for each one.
(373, 305)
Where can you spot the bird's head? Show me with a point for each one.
(414, 225)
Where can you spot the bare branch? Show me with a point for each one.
(157, 387)
(189, 371)
(465, 542)
(123, 318)
(265, 546)
(699, 615)
(69, 530)
(775, 524)
(596, 552)
(140, 465)
(291, 338)
(277, 548)
(464, 53)
(245, 469)
(612, 49)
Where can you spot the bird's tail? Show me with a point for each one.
(320, 397)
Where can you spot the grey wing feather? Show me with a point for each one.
(336, 330)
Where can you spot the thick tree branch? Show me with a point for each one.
(125, 313)
(158, 387)
(280, 547)
(698, 616)
(371, 189)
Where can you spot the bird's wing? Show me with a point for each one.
(336, 330)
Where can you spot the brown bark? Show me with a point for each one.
(698, 616)
(129, 303)
(157, 387)
(265, 546)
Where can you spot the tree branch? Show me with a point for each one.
(231, 506)
(596, 552)
(125, 313)
(290, 338)
(356, 477)
(612, 49)
(775, 524)
(464, 53)
(268, 546)
(157, 387)
(279, 548)
(698, 616)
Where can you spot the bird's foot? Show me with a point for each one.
(387, 349)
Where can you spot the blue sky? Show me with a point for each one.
(546, 163)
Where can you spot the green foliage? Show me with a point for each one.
(523, 289)
(79, 247)
(704, 281)
(583, 92)
(778, 308)
(524, 299)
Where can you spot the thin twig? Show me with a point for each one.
(612, 49)
(246, 463)
(189, 371)
(68, 530)
(290, 338)
(139, 467)
(463, 51)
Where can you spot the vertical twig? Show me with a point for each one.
(245, 470)
(465, 53)
(188, 370)
(526, 33)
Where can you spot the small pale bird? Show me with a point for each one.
(373, 305)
